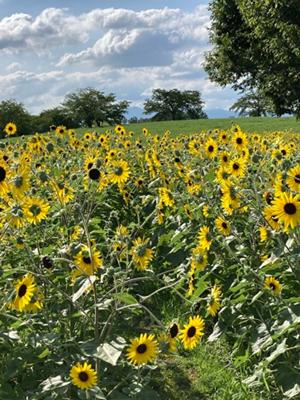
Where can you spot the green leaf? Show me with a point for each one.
(126, 298)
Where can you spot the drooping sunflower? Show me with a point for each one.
(36, 210)
(119, 172)
(271, 219)
(293, 179)
(214, 301)
(286, 208)
(141, 254)
(273, 284)
(223, 226)
(20, 184)
(192, 332)
(165, 197)
(199, 260)
(83, 376)
(10, 129)
(142, 350)
(25, 289)
(263, 233)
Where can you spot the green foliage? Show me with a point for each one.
(54, 116)
(252, 104)
(90, 106)
(256, 45)
(175, 105)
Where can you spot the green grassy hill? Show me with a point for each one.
(192, 126)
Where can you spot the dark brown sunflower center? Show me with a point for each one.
(119, 171)
(224, 225)
(290, 208)
(87, 260)
(272, 286)
(174, 330)
(22, 290)
(191, 331)
(142, 348)
(225, 158)
(90, 164)
(224, 137)
(2, 174)
(94, 174)
(10, 128)
(35, 210)
(210, 148)
(239, 140)
(83, 376)
(235, 166)
(140, 182)
(297, 178)
(283, 152)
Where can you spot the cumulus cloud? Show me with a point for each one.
(123, 51)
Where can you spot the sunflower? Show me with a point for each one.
(36, 210)
(20, 184)
(211, 148)
(141, 254)
(60, 130)
(4, 175)
(263, 233)
(192, 332)
(273, 284)
(83, 376)
(25, 289)
(87, 262)
(10, 129)
(271, 219)
(119, 172)
(15, 214)
(204, 238)
(199, 260)
(287, 209)
(165, 197)
(214, 303)
(142, 350)
(293, 179)
(188, 211)
(223, 226)
(237, 168)
(239, 140)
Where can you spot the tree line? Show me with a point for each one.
(90, 108)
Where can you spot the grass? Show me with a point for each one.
(192, 126)
(206, 374)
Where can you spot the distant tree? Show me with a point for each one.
(12, 111)
(256, 46)
(175, 104)
(253, 104)
(133, 120)
(90, 106)
(54, 116)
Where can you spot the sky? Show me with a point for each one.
(127, 47)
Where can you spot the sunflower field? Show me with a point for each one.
(123, 249)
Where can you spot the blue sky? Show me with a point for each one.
(128, 47)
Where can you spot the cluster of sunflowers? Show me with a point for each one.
(87, 219)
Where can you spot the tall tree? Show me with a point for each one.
(174, 104)
(12, 111)
(253, 104)
(256, 44)
(90, 106)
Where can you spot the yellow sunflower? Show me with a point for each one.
(273, 284)
(223, 226)
(199, 260)
(25, 289)
(211, 148)
(87, 262)
(293, 179)
(214, 302)
(61, 130)
(10, 129)
(142, 350)
(287, 209)
(119, 172)
(204, 238)
(239, 140)
(83, 376)
(4, 175)
(141, 254)
(36, 210)
(192, 332)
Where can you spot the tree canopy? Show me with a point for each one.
(90, 106)
(253, 104)
(256, 44)
(175, 104)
